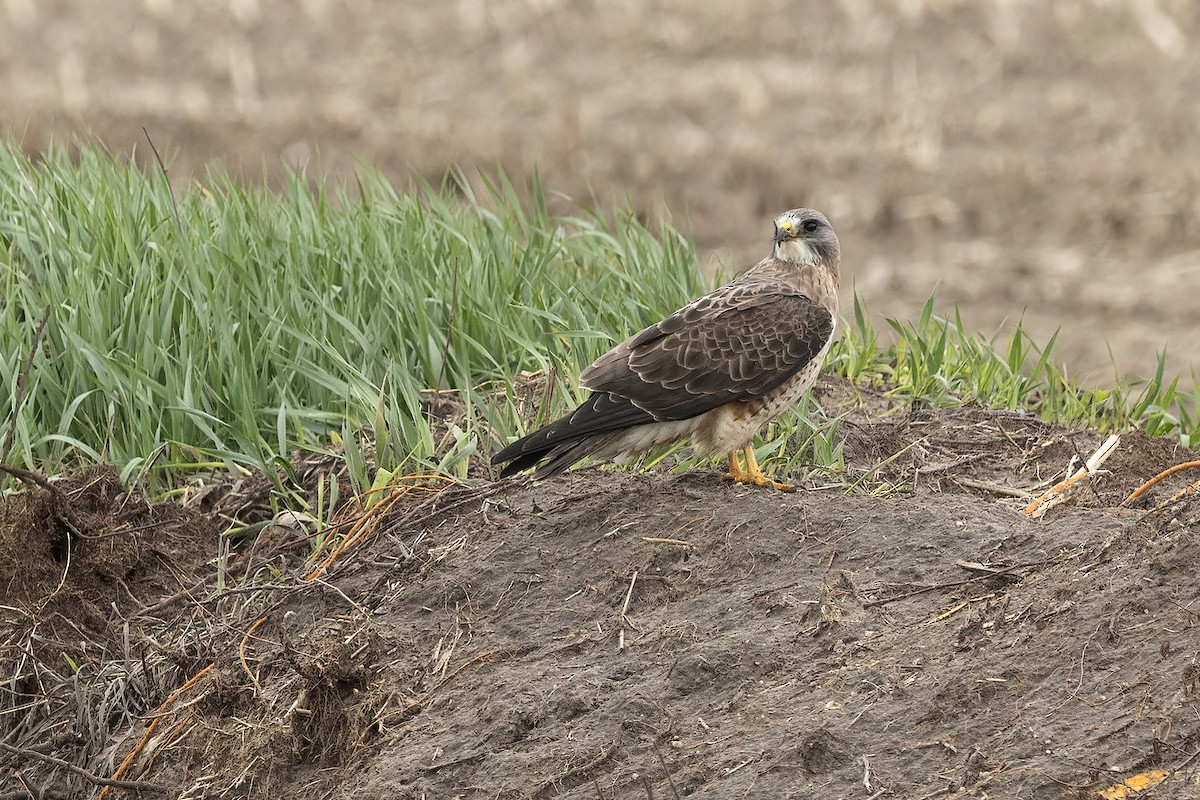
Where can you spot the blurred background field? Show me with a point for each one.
(1031, 161)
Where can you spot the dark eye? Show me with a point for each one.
(811, 226)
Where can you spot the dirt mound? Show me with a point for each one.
(91, 552)
(618, 634)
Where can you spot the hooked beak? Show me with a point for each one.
(783, 231)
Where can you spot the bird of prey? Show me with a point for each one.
(716, 370)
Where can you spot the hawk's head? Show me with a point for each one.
(804, 236)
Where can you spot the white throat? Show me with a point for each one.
(797, 251)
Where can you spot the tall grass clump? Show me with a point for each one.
(227, 325)
(937, 361)
(223, 326)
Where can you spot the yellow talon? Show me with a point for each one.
(752, 473)
(736, 473)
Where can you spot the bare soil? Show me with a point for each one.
(1031, 162)
(614, 634)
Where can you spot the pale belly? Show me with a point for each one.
(730, 428)
(639, 439)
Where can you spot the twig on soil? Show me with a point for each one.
(242, 653)
(947, 614)
(629, 594)
(425, 698)
(95, 780)
(350, 601)
(975, 566)
(22, 384)
(662, 540)
(287, 588)
(952, 584)
(1069, 784)
(730, 770)
(478, 493)
(885, 462)
(971, 790)
(186, 591)
(624, 610)
(171, 737)
(674, 535)
(581, 769)
(1082, 672)
(1167, 473)
(618, 529)
(666, 772)
(772, 590)
(988, 486)
(440, 765)
(1057, 493)
(31, 794)
(934, 794)
(1184, 492)
(1186, 761)
(933, 469)
(157, 715)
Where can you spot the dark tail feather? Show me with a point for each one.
(520, 463)
(559, 457)
(562, 457)
(572, 437)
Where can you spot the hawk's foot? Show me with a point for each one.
(736, 473)
(752, 473)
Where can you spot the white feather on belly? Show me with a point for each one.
(639, 439)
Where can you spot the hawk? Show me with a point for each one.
(716, 370)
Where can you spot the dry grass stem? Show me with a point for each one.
(1057, 493)
(1166, 473)
(242, 653)
(107, 783)
(364, 525)
(157, 715)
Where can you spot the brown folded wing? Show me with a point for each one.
(738, 343)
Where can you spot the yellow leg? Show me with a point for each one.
(754, 474)
(736, 473)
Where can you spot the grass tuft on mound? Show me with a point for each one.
(257, 322)
(222, 327)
